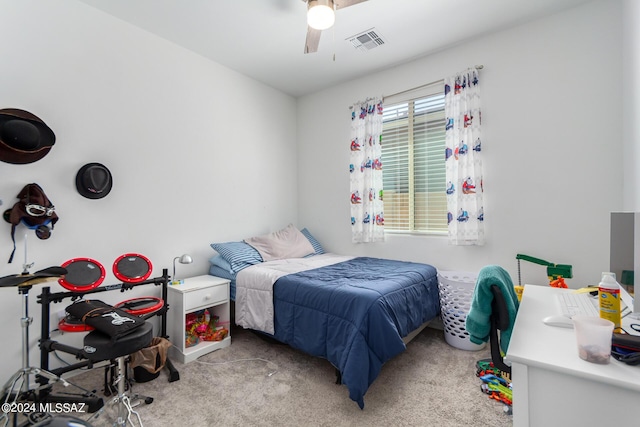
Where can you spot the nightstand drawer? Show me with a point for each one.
(205, 297)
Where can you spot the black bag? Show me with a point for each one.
(35, 210)
(111, 321)
(626, 348)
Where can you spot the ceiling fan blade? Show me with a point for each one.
(313, 40)
(341, 4)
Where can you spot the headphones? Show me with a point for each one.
(43, 231)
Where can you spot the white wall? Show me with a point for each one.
(552, 145)
(198, 153)
(630, 89)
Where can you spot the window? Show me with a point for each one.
(413, 162)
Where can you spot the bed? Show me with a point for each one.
(356, 312)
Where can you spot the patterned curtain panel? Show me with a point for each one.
(463, 154)
(367, 219)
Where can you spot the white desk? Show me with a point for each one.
(552, 386)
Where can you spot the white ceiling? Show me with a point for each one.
(264, 39)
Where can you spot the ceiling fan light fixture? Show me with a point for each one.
(320, 14)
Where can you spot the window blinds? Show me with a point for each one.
(413, 162)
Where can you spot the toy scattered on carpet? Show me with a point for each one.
(201, 326)
(495, 383)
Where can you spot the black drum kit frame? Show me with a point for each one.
(81, 277)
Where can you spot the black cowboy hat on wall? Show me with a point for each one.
(24, 137)
(94, 181)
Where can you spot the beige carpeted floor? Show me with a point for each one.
(255, 382)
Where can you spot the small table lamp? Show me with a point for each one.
(184, 259)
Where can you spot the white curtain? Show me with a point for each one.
(463, 156)
(367, 219)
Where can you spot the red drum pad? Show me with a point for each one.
(132, 268)
(83, 274)
(71, 324)
(141, 306)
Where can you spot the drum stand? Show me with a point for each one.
(18, 387)
(124, 408)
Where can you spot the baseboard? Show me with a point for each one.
(436, 323)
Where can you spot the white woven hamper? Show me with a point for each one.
(456, 292)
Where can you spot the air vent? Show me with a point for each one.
(367, 40)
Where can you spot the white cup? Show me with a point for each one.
(593, 336)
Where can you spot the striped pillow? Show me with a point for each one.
(238, 254)
(222, 263)
(316, 245)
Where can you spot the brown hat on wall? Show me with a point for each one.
(24, 138)
(94, 181)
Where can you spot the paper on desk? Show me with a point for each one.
(624, 295)
(584, 290)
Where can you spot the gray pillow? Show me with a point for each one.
(286, 243)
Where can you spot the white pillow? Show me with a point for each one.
(286, 243)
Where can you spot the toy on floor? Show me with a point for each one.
(495, 383)
(497, 388)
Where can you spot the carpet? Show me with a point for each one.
(257, 382)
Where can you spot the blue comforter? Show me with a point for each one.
(355, 313)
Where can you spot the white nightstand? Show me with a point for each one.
(196, 293)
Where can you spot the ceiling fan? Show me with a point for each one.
(320, 16)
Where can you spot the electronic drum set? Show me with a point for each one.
(81, 277)
(86, 274)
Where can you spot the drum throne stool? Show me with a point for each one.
(99, 347)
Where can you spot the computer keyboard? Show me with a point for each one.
(572, 304)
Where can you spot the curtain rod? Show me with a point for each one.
(477, 67)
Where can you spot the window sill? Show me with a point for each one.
(416, 233)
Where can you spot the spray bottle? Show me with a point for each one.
(609, 299)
